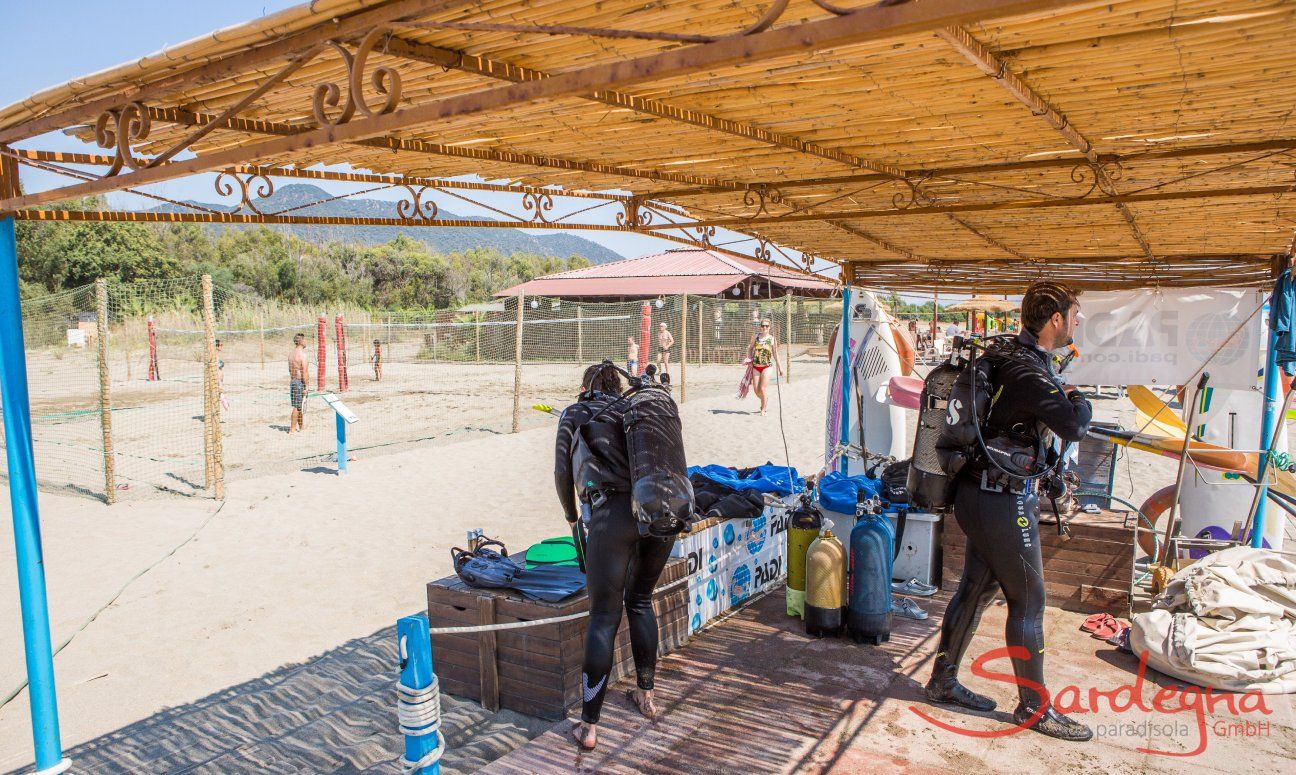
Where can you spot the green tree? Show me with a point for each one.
(65, 255)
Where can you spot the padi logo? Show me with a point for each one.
(779, 521)
(769, 572)
(952, 416)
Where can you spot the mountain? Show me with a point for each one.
(450, 240)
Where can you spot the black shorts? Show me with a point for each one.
(297, 392)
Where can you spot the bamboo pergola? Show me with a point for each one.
(921, 145)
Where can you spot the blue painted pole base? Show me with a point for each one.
(341, 444)
(419, 709)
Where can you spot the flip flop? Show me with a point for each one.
(1092, 623)
(913, 587)
(1109, 628)
(909, 609)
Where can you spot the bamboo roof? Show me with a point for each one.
(969, 144)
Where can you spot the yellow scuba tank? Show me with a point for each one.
(803, 530)
(825, 585)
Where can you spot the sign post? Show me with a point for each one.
(344, 417)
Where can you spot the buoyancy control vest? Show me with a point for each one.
(600, 462)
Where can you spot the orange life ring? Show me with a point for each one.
(904, 348)
(1158, 503)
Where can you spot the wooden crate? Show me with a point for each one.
(534, 670)
(1090, 572)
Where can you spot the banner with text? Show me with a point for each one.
(1163, 337)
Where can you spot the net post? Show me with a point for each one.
(339, 341)
(321, 353)
(154, 374)
(105, 397)
(683, 348)
(477, 334)
(214, 468)
(517, 365)
(261, 330)
(787, 337)
(645, 334)
(701, 339)
(580, 334)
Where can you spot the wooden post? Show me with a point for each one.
(580, 334)
(488, 654)
(683, 348)
(215, 467)
(935, 315)
(105, 399)
(261, 329)
(701, 327)
(787, 337)
(517, 365)
(477, 333)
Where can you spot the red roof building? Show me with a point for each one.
(687, 270)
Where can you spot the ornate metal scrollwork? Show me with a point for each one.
(116, 128)
(633, 214)
(705, 233)
(1098, 177)
(385, 80)
(914, 194)
(263, 189)
(763, 251)
(537, 203)
(416, 208)
(761, 198)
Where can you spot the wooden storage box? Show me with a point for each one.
(1090, 572)
(534, 670)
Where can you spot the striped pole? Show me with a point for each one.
(321, 354)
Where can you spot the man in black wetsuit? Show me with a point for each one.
(621, 567)
(997, 498)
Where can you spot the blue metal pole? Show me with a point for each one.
(417, 673)
(26, 516)
(341, 443)
(1267, 422)
(844, 349)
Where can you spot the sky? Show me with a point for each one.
(93, 35)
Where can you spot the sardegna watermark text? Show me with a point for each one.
(1167, 701)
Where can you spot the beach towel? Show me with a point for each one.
(744, 384)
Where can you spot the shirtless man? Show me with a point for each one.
(664, 342)
(297, 368)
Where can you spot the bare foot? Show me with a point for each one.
(643, 700)
(585, 735)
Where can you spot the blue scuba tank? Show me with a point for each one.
(872, 552)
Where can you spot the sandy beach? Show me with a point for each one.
(293, 567)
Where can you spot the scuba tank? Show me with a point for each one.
(660, 491)
(872, 554)
(802, 531)
(930, 487)
(825, 585)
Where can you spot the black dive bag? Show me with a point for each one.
(660, 491)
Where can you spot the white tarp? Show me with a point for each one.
(1162, 337)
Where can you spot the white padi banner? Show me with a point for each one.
(1162, 337)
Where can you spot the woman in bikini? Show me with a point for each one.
(762, 352)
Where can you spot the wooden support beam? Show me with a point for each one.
(496, 69)
(987, 238)
(876, 240)
(1028, 204)
(987, 62)
(341, 28)
(872, 23)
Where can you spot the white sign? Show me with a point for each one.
(339, 407)
(1162, 337)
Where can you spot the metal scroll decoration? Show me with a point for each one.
(763, 251)
(914, 194)
(263, 189)
(537, 203)
(633, 215)
(385, 80)
(1098, 177)
(705, 233)
(416, 208)
(761, 198)
(117, 128)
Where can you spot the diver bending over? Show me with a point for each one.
(999, 512)
(621, 567)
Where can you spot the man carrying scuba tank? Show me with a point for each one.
(1004, 412)
(628, 544)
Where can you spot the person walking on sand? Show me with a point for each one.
(632, 356)
(665, 341)
(762, 352)
(377, 360)
(297, 368)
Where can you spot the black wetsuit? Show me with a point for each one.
(1002, 528)
(621, 567)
